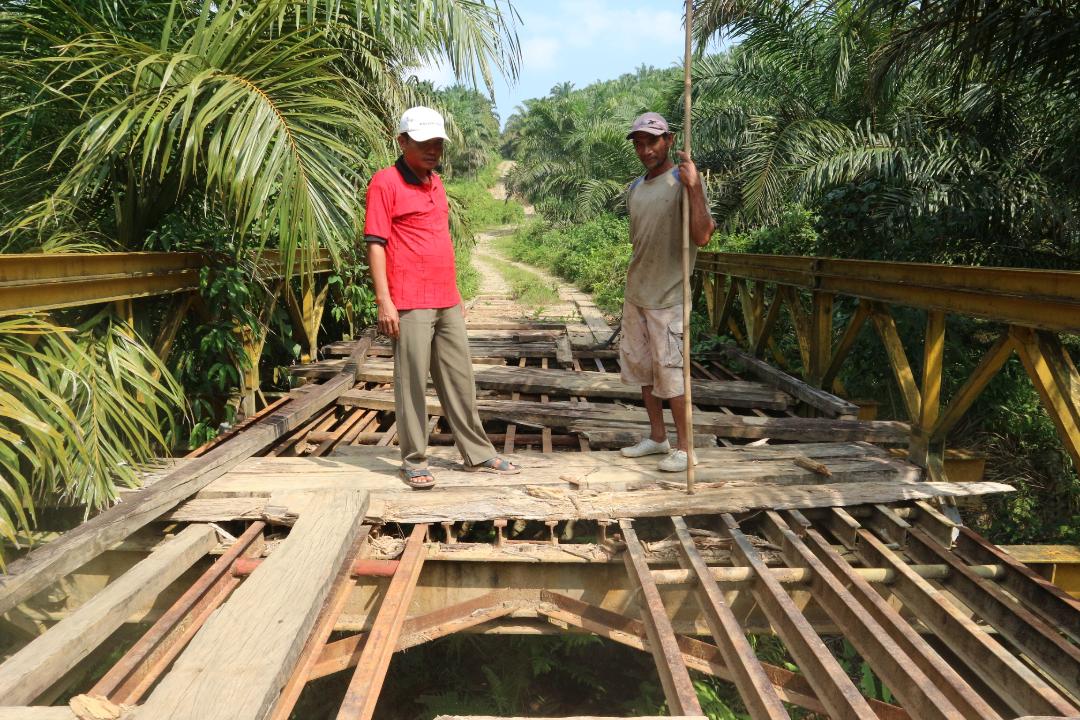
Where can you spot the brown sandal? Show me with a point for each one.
(414, 478)
(496, 465)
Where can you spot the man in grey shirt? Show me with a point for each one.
(650, 354)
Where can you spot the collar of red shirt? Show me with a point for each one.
(407, 173)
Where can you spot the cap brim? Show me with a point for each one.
(425, 135)
(650, 131)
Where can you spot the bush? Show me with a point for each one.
(593, 255)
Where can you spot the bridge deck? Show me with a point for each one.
(802, 525)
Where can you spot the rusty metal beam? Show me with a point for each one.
(830, 682)
(129, 679)
(34, 282)
(367, 681)
(1045, 299)
(678, 690)
(754, 686)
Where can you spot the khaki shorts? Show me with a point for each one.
(650, 352)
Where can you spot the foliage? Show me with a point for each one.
(476, 126)
(225, 128)
(70, 430)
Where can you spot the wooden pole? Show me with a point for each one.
(689, 420)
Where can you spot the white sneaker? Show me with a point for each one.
(675, 461)
(647, 446)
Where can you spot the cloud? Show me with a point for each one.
(539, 53)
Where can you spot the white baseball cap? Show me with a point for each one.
(422, 123)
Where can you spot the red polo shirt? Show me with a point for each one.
(412, 219)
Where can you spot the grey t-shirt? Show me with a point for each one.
(654, 278)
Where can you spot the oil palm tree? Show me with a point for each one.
(158, 124)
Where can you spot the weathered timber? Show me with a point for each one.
(729, 393)
(42, 567)
(29, 672)
(568, 415)
(516, 502)
(235, 667)
(814, 397)
(37, 713)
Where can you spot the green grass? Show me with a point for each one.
(528, 288)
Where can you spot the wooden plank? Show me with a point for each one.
(235, 667)
(822, 400)
(831, 684)
(678, 690)
(366, 684)
(37, 713)
(30, 672)
(1022, 689)
(753, 685)
(593, 318)
(959, 692)
(343, 585)
(566, 415)
(48, 563)
(132, 675)
(917, 690)
(729, 393)
(517, 502)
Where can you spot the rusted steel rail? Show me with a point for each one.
(1034, 307)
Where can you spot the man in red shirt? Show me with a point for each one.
(407, 231)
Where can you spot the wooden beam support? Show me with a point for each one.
(367, 681)
(30, 672)
(754, 686)
(235, 667)
(831, 684)
(678, 690)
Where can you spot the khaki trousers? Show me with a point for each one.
(435, 340)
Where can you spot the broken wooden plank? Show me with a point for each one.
(516, 502)
(235, 667)
(47, 564)
(536, 381)
(675, 679)
(567, 415)
(32, 670)
(814, 397)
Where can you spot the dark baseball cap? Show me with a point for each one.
(650, 122)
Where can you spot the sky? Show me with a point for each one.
(582, 41)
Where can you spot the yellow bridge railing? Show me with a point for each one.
(1034, 308)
